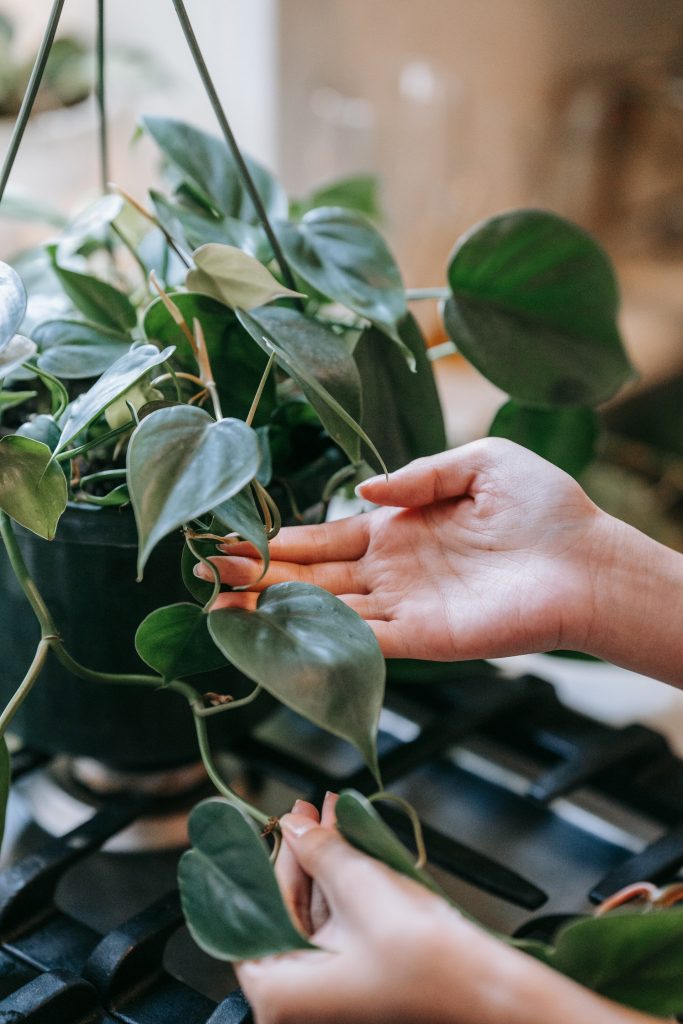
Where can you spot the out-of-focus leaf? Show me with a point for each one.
(195, 229)
(12, 304)
(18, 351)
(566, 437)
(98, 300)
(77, 350)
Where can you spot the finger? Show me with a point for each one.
(341, 871)
(319, 910)
(435, 478)
(368, 606)
(328, 815)
(344, 539)
(337, 577)
(295, 884)
(246, 601)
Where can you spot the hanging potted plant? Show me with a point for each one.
(230, 366)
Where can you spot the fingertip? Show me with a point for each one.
(294, 826)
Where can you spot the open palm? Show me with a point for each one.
(482, 551)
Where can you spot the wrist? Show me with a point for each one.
(633, 610)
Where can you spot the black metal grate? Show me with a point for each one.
(55, 968)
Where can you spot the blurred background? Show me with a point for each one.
(460, 109)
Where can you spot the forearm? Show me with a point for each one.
(636, 617)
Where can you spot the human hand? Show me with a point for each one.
(391, 951)
(483, 551)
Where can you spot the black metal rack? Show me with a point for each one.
(56, 968)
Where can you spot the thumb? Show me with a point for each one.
(435, 478)
(327, 858)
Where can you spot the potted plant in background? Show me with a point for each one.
(220, 362)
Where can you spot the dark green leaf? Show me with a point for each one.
(401, 410)
(77, 350)
(565, 437)
(361, 825)
(8, 399)
(193, 228)
(120, 376)
(237, 363)
(320, 363)
(32, 487)
(313, 653)
(5, 779)
(97, 300)
(41, 428)
(200, 589)
(59, 396)
(116, 498)
(235, 278)
(12, 303)
(534, 309)
(175, 642)
(181, 463)
(16, 352)
(230, 898)
(636, 959)
(239, 515)
(359, 192)
(208, 164)
(344, 257)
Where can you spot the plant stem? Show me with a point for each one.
(30, 94)
(127, 244)
(40, 609)
(417, 294)
(25, 686)
(153, 220)
(259, 390)
(247, 180)
(446, 348)
(101, 100)
(204, 712)
(213, 568)
(104, 474)
(71, 453)
(412, 814)
(174, 312)
(205, 371)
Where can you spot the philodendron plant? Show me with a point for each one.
(218, 365)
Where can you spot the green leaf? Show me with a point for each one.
(77, 350)
(181, 463)
(229, 894)
(175, 642)
(15, 353)
(360, 192)
(41, 428)
(118, 378)
(32, 488)
(93, 223)
(239, 515)
(401, 410)
(8, 399)
(237, 363)
(234, 278)
(635, 959)
(566, 437)
(59, 396)
(5, 779)
(320, 363)
(361, 825)
(116, 498)
(97, 300)
(343, 256)
(195, 229)
(313, 653)
(534, 309)
(201, 590)
(208, 164)
(12, 303)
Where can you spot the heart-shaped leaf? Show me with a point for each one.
(320, 363)
(181, 463)
(98, 300)
(312, 652)
(632, 958)
(343, 256)
(12, 303)
(32, 488)
(41, 428)
(194, 229)
(120, 376)
(534, 309)
(565, 437)
(175, 642)
(76, 350)
(230, 897)
(239, 515)
(392, 396)
(231, 276)
(209, 165)
(16, 352)
(237, 363)
(361, 825)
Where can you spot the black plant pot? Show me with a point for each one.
(87, 577)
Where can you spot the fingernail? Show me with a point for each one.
(297, 804)
(201, 571)
(370, 480)
(297, 825)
